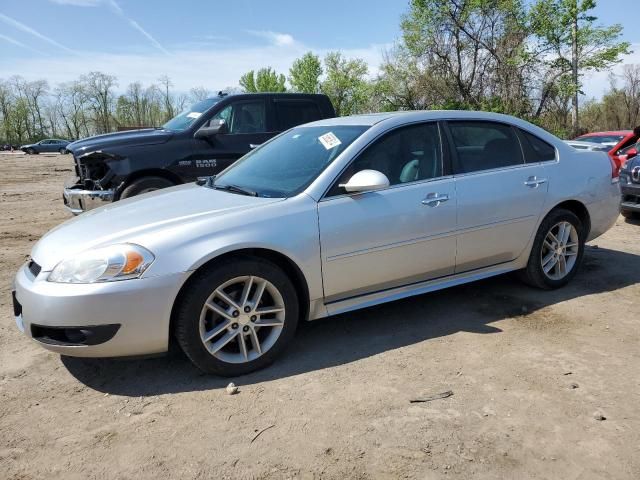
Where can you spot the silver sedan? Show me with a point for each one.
(328, 217)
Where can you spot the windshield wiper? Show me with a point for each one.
(236, 189)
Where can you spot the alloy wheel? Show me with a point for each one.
(560, 251)
(242, 319)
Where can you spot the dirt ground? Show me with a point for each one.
(529, 370)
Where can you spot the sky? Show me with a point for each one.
(211, 43)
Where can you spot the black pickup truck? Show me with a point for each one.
(199, 142)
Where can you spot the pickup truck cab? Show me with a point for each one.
(201, 141)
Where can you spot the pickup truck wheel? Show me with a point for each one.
(237, 316)
(145, 185)
(557, 251)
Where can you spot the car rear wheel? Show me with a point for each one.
(557, 251)
(237, 316)
(145, 185)
(63, 151)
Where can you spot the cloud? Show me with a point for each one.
(78, 3)
(20, 44)
(21, 26)
(275, 38)
(214, 69)
(115, 7)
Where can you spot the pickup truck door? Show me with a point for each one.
(249, 126)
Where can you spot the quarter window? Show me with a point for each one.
(484, 146)
(244, 117)
(408, 154)
(293, 113)
(536, 149)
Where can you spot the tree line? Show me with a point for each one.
(524, 58)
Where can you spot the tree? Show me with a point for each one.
(99, 90)
(345, 83)
(573, 44)
(265, 80)
(305, 73)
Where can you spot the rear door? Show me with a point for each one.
(500, 196)
(249, 126)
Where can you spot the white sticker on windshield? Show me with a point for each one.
(194, 114)
(329, 140)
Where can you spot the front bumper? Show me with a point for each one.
(141, 308)
(630, 197)
(78, 200)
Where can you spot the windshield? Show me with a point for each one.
(288, 164)
(611, 139)
(190, 115)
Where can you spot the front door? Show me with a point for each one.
(400, 235)
(248, 128)
(500, 196)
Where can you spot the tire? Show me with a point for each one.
(195, 322)
(30, 151)
(63, 151)
(630, 215)
(145, 185)
(534, 274)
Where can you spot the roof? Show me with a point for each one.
(611, 132)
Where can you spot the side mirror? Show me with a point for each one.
(366, 181)
(215, 127)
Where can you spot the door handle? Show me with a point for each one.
(534, 181)
(254, 145)
(435, 199)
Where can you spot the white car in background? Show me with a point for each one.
(589, 146)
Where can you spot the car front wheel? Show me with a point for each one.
(236, 316)
(557, 251)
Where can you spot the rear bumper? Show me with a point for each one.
(78, 200)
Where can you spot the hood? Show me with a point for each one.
(148, 136)
(144, 216)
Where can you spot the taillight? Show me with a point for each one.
(615, 171)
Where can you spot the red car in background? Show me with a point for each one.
(619, 140)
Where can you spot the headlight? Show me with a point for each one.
(108, 264)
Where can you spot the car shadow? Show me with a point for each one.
(349, 337)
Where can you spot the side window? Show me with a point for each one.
(484, 145)
(536, 149)
(404, 155)
(294, 113)
(244, 117)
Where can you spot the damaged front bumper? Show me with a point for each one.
(78, 199)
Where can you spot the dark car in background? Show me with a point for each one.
(48, 145)
(630, 188)
(200, 142)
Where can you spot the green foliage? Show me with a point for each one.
(345, 83)
(265, 80)
(305, 73)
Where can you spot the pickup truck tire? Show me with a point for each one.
(241, 344)
(145, 185)
(555, 260)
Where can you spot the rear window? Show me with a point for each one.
(291, 113)
(536, 149)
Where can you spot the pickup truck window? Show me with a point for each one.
(291, 113)
(244, 117)
(184, 120)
